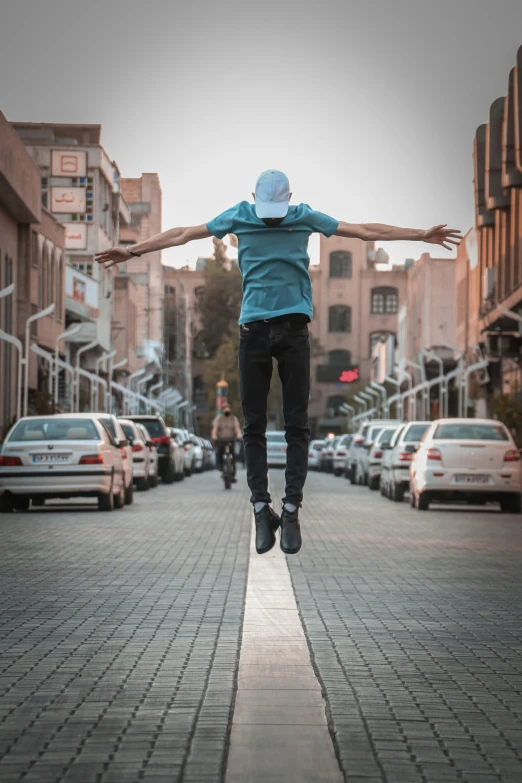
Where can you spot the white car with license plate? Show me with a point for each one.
(314, 454)
(140, 453)
(113, 424)
(397, 458)
(63, 456)
(340, 452)
(376, 455)
(475, 460)
(276, 448)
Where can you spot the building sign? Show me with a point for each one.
(65, 163)
(70, 200)
(79, 288)
(329, 373)
(75, 236)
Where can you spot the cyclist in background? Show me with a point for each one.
(226, 429)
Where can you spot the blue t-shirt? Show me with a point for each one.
(273, 261)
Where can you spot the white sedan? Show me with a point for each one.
(475, 460)
(314, 454)
(63, 456)
(276, 448)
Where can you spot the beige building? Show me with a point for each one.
(356, 303)
(143, 194)
(32, 257)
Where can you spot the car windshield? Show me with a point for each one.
(275, 437)
(55, 428)
(154, 427)
(127, 429)
(385, 436)
(470, 431)
(109, 423)
(414, 433)
(334, 443)
(373, 433)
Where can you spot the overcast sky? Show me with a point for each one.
(369, 107)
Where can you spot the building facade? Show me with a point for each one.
(356, 305)
(143, 194)
(32, 253)
(497, 154)
(80, 187)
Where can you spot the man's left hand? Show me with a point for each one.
(441, 235)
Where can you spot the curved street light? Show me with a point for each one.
(29, 321)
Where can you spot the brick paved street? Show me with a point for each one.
(415, 625)
(120, 636)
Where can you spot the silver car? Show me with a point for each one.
(276, 448)
(381, 444)
(395, 469)
(64, 456)
(140, 453)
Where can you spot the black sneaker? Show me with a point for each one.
(267, 522)
(290, 532)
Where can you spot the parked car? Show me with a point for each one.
(340, 454)
(314, 453)
(139, 445)
(181, 437)
(197, 453)
(152, 456)
(113, 424)
(352, 452)
(212, 455)
(208, 456)
(362, 466)
(160, 435)
(381, 444)
(467, 459)
(276, 448)
(328, 454)
(395, 468)
(63, 456)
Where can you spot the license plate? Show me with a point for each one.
(48, 458)
(472, 479)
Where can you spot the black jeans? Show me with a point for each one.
(289, 343)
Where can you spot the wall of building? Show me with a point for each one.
(125, 323)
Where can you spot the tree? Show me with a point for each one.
(221, 298)
(222, 365)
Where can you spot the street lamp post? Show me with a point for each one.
(398, 398)
(106, 356)
(384, 404)
(114, 367)
(29, 321)
(409, 378)
(63, 336)
(423, 381)
(461, 362)
(83, 349)
(375, 395)
(435, 357)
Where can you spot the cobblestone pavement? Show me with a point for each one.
(414, 622)
(119, 637)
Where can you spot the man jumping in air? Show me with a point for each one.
(277, 307)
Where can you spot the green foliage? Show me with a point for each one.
(221, 300)
(39, 403)
(223, 365)
(507, 408)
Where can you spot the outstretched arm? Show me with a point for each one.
(369, 232)
(170, 238)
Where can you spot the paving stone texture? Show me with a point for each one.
(119, 637)
(414, 623)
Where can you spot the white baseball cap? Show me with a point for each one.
(272, 194)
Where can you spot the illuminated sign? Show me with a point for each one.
(349, 376)
(331, 373)
(68, 199)
(75, 236)
(65, 163)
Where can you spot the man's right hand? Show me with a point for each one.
(113, 256)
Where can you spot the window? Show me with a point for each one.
(50, 273)
(59, 287)
(473, 431)
(333, 404)
(340, 318)
(384, 301)
(200, 350)
(341, 264)
(35, 252)
(339, 358)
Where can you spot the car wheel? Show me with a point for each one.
(6, 503)
(188, 472)
(374, 482)
(106, 502)
(153, 481)
(21, 502)
(511, 504)
(168, 474)
(423, 502)
(119, 499)
(142, 484)
(397, 494)
(128, 494)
